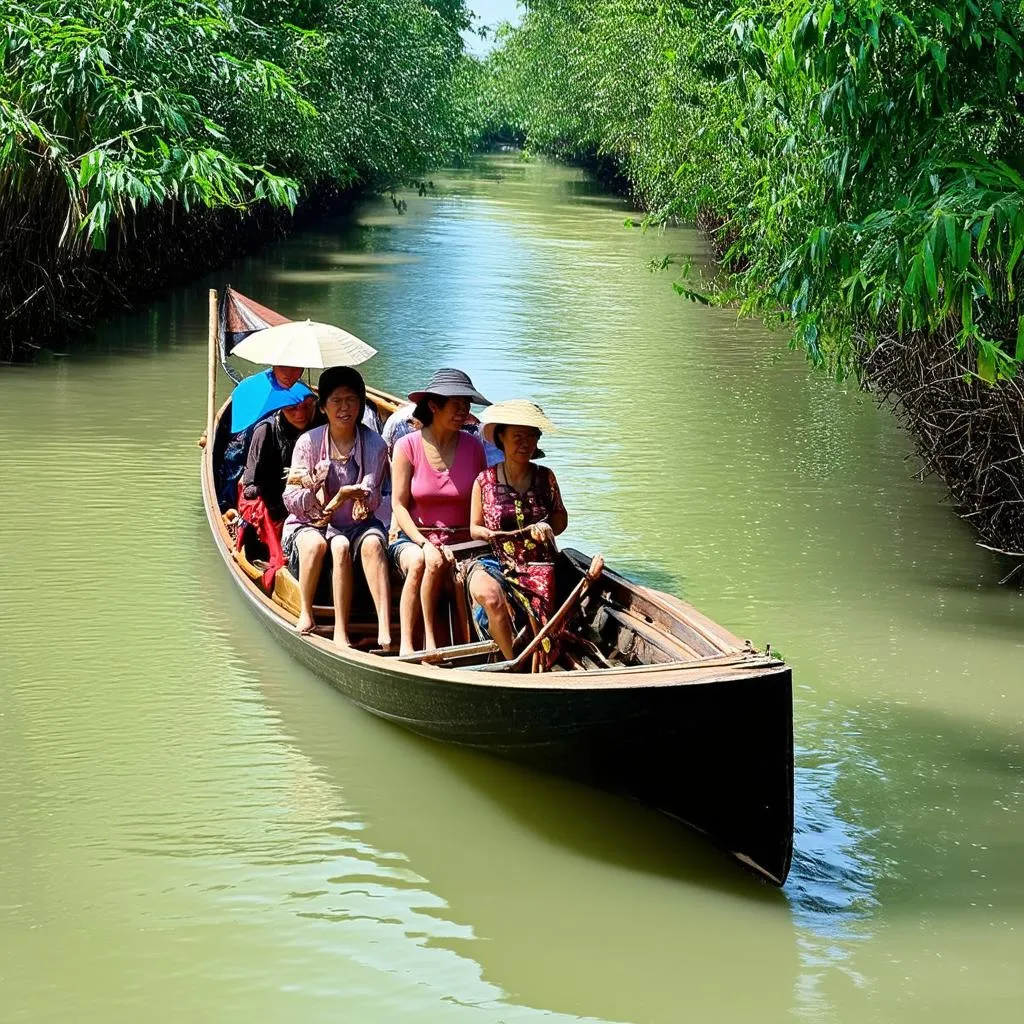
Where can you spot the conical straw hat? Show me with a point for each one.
(516, 412)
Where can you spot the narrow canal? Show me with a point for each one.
(191, 827)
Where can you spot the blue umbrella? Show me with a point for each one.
(260, 395)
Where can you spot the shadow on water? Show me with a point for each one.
(601, 827)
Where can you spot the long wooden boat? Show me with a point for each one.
(650, 699)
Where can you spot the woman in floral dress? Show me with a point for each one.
(516, 505)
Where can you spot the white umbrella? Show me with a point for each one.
(304, 343)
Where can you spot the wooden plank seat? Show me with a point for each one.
(455, 655)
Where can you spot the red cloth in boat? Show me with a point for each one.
(255, 516)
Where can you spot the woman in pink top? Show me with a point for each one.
(433, 471)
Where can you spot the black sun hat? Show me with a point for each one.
(449, 383)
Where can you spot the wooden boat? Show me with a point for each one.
(649, 699)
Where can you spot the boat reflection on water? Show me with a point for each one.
(567, 898)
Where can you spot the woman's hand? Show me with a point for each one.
(326, 512)
(437, 555)
(308, 479)
(349, 493)
(316, 514)
(318, 474)
(542, 533)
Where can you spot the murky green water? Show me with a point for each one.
(192, 828)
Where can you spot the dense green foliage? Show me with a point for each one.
(860, 160)
(113, 108)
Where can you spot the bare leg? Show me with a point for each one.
(375, 568)
(435, 572)
(311, 547)
(410, 561)
(486, 591)
(341, 579)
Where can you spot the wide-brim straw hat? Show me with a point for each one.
(516, 412)
(449, 383)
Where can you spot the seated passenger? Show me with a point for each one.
(371, 417)
(346, 462)
(398, 424)
(261, 489)
(231, 441)
(403, 421)
(433, 472)
(493, 454)
(518, 508)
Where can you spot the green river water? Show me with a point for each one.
(194, 828)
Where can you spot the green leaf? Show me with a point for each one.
(930, 275)
(949, 223)
(986, 223)
(944, 19)
(986, 361)
(1015, 255)
(963, 254)
(1008, 40)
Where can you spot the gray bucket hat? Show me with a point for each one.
(449, 383)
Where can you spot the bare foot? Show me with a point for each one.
(405, 649)
(341, 638)
(384, 641)
(305, 625)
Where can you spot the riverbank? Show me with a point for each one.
(146, 145)
(147, 255)
(889, 263)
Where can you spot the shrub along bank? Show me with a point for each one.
(858, 163)
(144, 142)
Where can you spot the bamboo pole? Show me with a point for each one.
(211, 387)
(555, 622)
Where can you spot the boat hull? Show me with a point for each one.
(715, 753)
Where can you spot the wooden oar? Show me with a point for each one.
(555, 622)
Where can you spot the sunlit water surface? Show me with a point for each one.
(193, 828)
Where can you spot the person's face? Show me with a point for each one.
(453, 414)
(300, 416)
(287, 375)
(342, 408)
(520, 443)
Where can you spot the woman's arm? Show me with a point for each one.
(250, 487)
(477, 530)
(557, 516)
(380, 475)
(401, 495)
